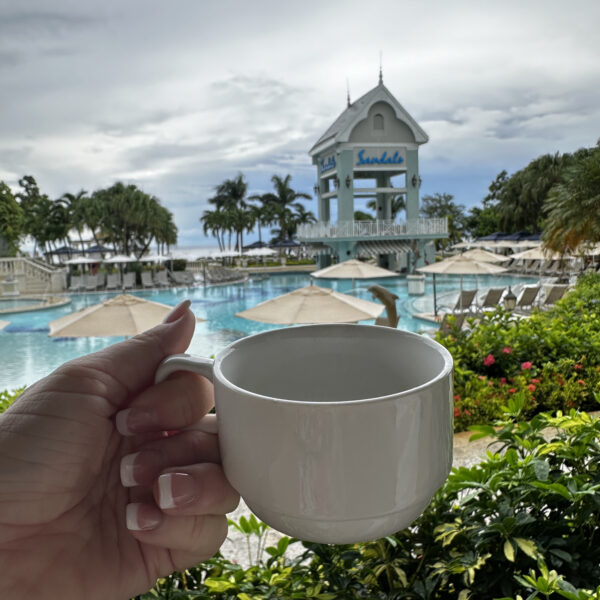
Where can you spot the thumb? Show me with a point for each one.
(128, 367)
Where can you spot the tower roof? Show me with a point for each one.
(341, 128)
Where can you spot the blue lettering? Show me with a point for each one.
(384, 159)
(330, 164)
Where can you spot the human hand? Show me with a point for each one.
(69, 527)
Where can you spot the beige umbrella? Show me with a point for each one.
(479, 255)
(458, 265)
(353, 269)
(312, 304)
(123, 315)
(3, 324)
(539, 253)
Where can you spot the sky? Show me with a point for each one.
(175, 97)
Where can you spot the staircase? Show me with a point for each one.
(33, 276)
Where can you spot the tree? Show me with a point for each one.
(360, 215)
(282, 201)
(36, 209)
(573, 205)
(398, 205)
(11, 221)
(443, 205)
(76, 211)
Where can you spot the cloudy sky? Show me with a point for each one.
(177, 96)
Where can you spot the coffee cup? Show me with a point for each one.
(332, 433)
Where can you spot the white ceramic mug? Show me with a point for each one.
(332, 433)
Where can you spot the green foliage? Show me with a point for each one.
(551, 361)
(11, 220)
(7, 397)
(443, 205)
(522, 523)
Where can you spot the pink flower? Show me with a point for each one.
(457, 397)
(512, 391)
(503, 380)
(456, 411)
(506, 350)
(534, 380)
(581, 382)
(526, 366)
(578, 367)
(489, 360)
(531, 387)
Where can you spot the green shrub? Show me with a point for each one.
(7, 397)
(522, 523)
(552, 358)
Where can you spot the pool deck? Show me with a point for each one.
(44, 303)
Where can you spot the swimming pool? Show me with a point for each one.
(27, 353)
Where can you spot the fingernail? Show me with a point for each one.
(128, 470)
(175, 489)
(141, 517)
(177, 311)
(132, 420)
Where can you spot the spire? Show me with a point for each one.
(380, 68)
(348, 93)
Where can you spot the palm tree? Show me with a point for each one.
(230, 193)
(398, 205)
(573, 206)
(214, 221)
(283, 198)
(76, 211)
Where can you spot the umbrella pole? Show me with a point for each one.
(434, 298)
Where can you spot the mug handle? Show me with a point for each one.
(196, 364)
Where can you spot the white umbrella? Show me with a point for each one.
(458, 265)
(312, 304)
(260, 252)
(81, 260)
(479, 255)
(119, 258)
(157, 258)
(353, 269)
(123, 315)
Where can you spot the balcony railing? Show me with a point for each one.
(366, 229)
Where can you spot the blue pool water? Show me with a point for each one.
(27, 353)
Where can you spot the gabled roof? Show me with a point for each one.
(341, 128)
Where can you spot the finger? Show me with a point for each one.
(187, 448)
(195, 490)
(190, 539)
(176, 403)
(128, 367)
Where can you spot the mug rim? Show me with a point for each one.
(436, 346)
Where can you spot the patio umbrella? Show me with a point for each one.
(458, 265)
(156, 258)
(353, 269)
(81, 260)
(119, 259)
(538, 253)
(479, 255)
(312, 304)
(123, 315)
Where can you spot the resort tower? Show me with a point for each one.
(371, 151)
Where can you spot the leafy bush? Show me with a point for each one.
(524, 522)
(552, 359)
(7, 397)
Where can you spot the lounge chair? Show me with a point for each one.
(555, 293)
(389, 301)
(491, 299)
(451, 323)
(464, 302)
(147, 279)
(160, 279)
(113, 281)
(527, 299)
(129, 281)
(179, 277)
(91, 283)
(76, 283)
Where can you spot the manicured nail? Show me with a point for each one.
(176, 489)
(134, 420)
(128, 470)
(177, 311)
(141, 517)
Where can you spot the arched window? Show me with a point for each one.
(378, 121)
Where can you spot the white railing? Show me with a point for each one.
(379, 228)
(30, 270)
